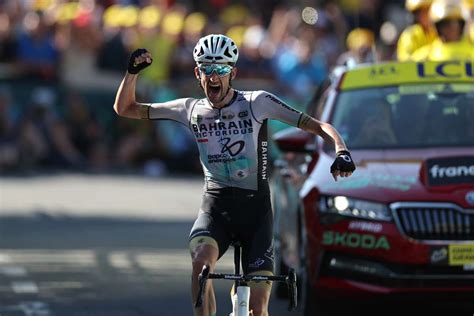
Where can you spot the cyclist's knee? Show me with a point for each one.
(201, 259)
(202, 244)
(203, 251)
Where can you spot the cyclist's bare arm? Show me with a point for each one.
(268, 105)
(125, 103)
(342, 166)
(325, 130)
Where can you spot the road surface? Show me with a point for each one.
(100, 245)
(87, 245)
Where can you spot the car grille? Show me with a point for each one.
(434, 221)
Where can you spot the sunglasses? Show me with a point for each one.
(221, 70)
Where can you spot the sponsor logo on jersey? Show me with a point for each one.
(228, 153)
(282, 104)
(243, 114)
(232, 149)
(204, 130)
(212, 118)
(221, 158)
(269, 253)
(257, 263)
(241, 174)
(264, 159)
(227, 115)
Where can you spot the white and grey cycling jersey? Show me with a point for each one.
(232, 141)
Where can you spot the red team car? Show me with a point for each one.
(403, 224)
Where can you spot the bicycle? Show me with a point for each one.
(240, 299)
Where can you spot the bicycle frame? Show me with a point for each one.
(240, 299)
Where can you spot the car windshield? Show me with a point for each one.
(406, 116)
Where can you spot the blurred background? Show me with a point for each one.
(95, 209)
(62, 61)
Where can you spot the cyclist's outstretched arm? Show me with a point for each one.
(269, 106)
(125, 102)
(343, 165)
(325, 130)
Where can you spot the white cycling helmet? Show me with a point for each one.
(216, 48)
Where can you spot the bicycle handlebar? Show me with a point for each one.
(289, 279)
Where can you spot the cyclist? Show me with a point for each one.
(419, 34)
(230, 131)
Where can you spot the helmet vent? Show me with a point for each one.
(201, 52)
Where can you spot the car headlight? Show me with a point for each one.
(346, 206)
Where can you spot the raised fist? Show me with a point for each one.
(343, 165)
(139, 59)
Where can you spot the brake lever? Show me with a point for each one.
(292, 289)
(202, 284)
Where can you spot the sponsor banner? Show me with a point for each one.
(461, 254)
(439, 255)
(449, 171)
(366, 226)
(394, 73)
(453, 255)
(355, 240)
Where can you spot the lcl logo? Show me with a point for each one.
(470, 197)
(448, 69)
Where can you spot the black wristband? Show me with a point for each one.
(343, 152)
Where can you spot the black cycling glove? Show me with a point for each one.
(343, 162)
(134, 68)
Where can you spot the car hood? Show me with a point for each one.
(400, 175)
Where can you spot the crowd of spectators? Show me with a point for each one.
(62, 61)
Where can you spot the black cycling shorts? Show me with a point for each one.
(229, 215)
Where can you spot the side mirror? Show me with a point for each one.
(293, 139)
